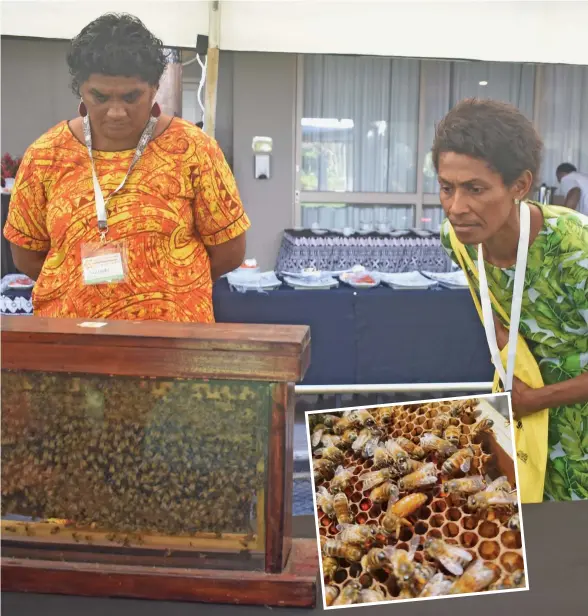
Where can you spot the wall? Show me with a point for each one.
(35, 91)
(264, 95)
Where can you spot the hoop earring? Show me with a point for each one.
(82, 109)
(156, 110)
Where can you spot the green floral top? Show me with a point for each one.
(554, 321)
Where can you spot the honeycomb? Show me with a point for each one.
(486, 534)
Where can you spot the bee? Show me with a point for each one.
(487, 500)
(484, 425)
(402, 564)
(431, 443)
(349, 437)
(370, 595)
(341, 507)
(382, 457)
(385, 415)
(338, 549)
(440, 422)
(341, 480)
(477, 577)
(384, 492)
(323, 469)
(370, 447)
(423, 573)
(341, 425)
(330, 440)
(437, 586)
(373, 478)
(425, 476)
(325, 501)
(450, 556)
(330, 421)
(362, 438)
(514, 522)
(397, 513)
(357, 534)
(376, 559)
(317, 435)
(465, 485)
(461, 460)
(363, 417)
(333, 454)
(415, 451)
(452, 434)
(413, 465)
(330, 567)
(516, 579)
(398, 454)
(500, 484)
(350, 594)
(331, 593)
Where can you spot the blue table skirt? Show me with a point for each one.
(373, 336)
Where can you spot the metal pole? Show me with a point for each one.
(212, 67)
(398, 388)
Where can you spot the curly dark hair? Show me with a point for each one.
(494, 132)
(116, 44)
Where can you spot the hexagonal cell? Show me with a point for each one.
(453, 514)
(365, 504)
(356, 497)
(438, 506)
(468, 539)
(420, 528)
(353, 508)
(355, 570)
(340, 576)
(451, 529)
(512, 561)
(437, 521)
(488, 530)
(463, 441)
(396, 433)
(465, 430)
(325, 521)
(375, 511)
(470, 522)
(409, 427)
(512, 540)
(421, 420)
(424, 513)
(361, 518)
(406, 534)
(416, 440)
(401, 424)
(429, 424)
(468, 420)
(435, 533)
(489, 550)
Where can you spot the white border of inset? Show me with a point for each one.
(410, 402)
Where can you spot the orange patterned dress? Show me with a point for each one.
(180, 197)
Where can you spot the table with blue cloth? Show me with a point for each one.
(373, 336)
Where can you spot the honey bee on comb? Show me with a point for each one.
(411, 489)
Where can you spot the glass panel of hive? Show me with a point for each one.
(171, 470)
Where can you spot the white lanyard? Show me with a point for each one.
(101, 213)
(517, 300)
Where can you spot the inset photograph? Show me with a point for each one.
(416, 501)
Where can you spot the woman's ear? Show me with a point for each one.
(522, 186)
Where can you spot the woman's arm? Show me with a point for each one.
(28, 262)
(526, 400)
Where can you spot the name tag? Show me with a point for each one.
(103, 267)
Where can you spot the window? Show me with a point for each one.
(367, 126)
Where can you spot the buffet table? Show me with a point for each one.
(556, 563)
(402, 251)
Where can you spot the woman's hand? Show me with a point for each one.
(524, 399)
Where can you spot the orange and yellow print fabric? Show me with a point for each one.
(180, 197)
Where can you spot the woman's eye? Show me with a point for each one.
(476, 190)
(130, 98)
(446, 189)
(100, 98)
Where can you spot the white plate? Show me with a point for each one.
(351, 279)
(408, 280)
(265, 281)
(323, 282)
(319, 231)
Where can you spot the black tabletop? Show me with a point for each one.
(557, 559)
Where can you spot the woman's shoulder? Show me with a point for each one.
(186, 139)
(56, 136)
(568, 225)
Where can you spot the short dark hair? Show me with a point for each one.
(492, 131)
(565, 168)
(119, 45)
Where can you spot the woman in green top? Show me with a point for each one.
(487, 156)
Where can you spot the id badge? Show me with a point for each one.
(104, 264)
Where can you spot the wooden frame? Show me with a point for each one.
(278, 355)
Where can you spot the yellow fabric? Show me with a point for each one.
(530, 431)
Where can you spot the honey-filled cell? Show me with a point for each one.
(140, 463)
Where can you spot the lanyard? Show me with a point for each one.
(517, 300)
(101, 213)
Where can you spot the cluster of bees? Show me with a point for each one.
(359, 467)
(134, 455)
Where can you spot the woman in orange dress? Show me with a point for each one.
(123, 212)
